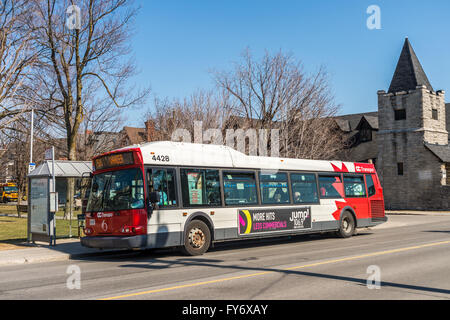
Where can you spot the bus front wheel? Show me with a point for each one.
(347, 225)
(196, 239)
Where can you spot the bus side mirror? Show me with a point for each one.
(154, 197)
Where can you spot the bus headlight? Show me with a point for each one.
(132, 230)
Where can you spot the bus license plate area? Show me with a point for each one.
(112, 223)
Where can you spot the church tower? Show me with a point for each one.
(411, 116)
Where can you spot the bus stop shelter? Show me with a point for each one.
(41, 199)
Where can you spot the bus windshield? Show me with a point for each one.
(11, 189)
(117, 190)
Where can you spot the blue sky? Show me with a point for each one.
(177, 43)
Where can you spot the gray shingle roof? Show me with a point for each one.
(371, 120)
(343, 124)
(440, 151)
(349, 122)
(409, 72)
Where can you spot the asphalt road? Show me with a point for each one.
(411, 253)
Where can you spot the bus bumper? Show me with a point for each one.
(115, 242)
(380, 220)
(371, 222)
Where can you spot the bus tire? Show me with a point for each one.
(197, 238)
(347, 225)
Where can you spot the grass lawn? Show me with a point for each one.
(12, 209)
(60, 213)
(15, 229)
(4, 208)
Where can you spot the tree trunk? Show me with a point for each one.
(72, 146)
(19, 197)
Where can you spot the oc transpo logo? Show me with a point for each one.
(104, 215)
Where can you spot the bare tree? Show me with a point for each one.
(83, 47)
(17, 139)
(276, 92)
(100, 129)
(16, 58)
(78, 58)
(203, 106)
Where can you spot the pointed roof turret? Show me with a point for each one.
(409, 72)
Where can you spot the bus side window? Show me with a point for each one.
(239, 188)
(330, 186)
(370, 185)
(304, 188)
(354, 186)
(274, 188)
(200, 187)
(163, 181)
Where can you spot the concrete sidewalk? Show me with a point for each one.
(417, 213)
(64, 250)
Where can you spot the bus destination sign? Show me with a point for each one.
(270, 220)
(114, 160)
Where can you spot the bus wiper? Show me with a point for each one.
(106, 187)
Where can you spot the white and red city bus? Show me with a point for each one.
(166, 194)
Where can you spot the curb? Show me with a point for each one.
(29, 259)
(436, 214)
(405, 214)
(101, 253)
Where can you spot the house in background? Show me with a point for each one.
(359, 132)
(7, 164)
(133, 135)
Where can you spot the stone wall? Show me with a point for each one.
(402, 141)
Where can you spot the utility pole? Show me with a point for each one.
(31, 165)
(31, 138)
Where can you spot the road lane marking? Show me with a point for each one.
(196, 284)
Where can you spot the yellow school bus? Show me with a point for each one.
(8, 192)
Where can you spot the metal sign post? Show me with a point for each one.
(31, 139)
(53, 198)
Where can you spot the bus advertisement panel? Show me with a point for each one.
(273, 220)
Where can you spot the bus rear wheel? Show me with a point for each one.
(196, 239)
(347, 225)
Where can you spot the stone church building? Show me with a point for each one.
(407, 138)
